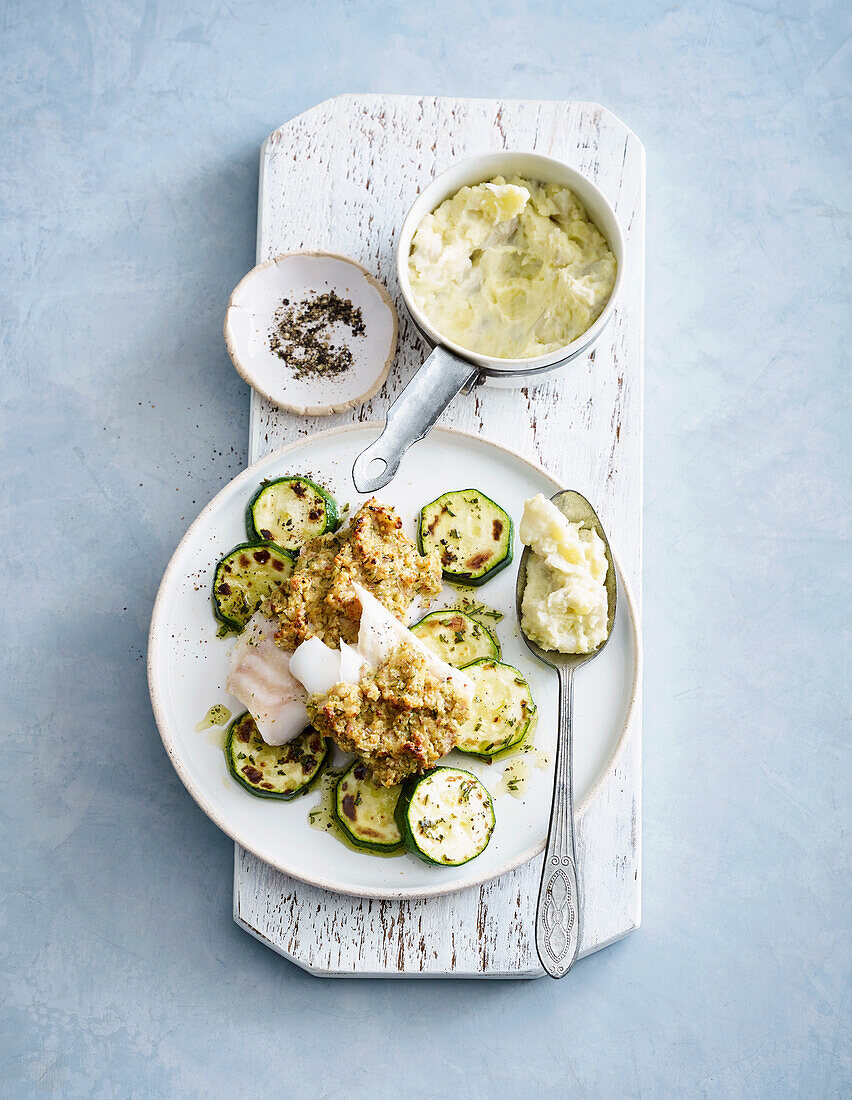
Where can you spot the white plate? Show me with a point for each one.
(187, 664)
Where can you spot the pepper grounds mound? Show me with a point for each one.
(300, 334)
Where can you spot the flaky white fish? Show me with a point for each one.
(259, 676)
(273, 685)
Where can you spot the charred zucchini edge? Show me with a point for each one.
(350, 827)
(219, 611)
(285, 795)
(444, 649)
(518, 733)
(409, 793)
(496, 561)
(265, 535)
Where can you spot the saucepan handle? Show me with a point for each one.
(411, 416)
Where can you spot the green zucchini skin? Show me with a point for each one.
(243, 579)
(472, 533)
(269, 519)
(365, 812)
(503, 708)
(252, 762)
(457, 638)
(457, 793)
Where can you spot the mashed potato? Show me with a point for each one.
(511, 269)
(565, 600)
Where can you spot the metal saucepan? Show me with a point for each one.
(450, 368)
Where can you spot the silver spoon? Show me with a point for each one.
(557, 918)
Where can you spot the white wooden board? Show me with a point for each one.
(341, 178)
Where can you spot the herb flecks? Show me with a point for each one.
(301, 334)
(479, 610)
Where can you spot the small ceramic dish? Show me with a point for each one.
(289, 280)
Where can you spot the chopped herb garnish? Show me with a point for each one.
(464, 793)
(478, 609)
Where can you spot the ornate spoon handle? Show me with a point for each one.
(557, 918)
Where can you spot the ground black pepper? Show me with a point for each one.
(300, 334)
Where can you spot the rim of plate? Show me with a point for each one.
(387, 893)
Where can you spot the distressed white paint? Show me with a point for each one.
(341, 178)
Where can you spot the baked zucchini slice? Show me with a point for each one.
(472, 534)
(274, 771)
(245, 577)
(445, 816)
(365, 812)
(456, 637)
(502, 709)
(290, 511)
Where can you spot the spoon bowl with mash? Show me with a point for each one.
(445, 210)
(557, 922)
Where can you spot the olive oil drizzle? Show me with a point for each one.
(520, 758)
(540, 759)
(218, 715)
(515, 778)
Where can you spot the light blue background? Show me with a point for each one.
(130, 137)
